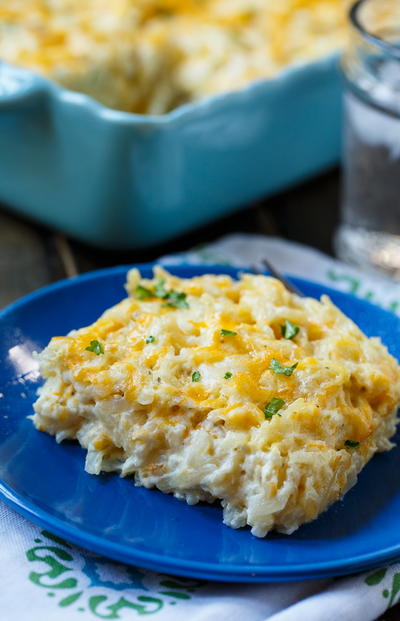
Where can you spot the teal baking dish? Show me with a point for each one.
(121, 180)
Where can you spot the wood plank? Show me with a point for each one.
(28, 259)
(310, 213)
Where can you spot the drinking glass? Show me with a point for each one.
(369, 235)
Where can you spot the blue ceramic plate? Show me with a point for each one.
(47, 483)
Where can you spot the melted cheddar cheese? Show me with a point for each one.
(193, 386)
(149, 56)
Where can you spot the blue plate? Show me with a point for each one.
(47, 483)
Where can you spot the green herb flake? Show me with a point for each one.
(273, 407)
(196, 377)
(159, 288)
(228, 375)
(289, 329)
(176, 299)
(352, 444)
(150, 339)
(95, 347)
(276, 367)
(228, 333)
(143, 293)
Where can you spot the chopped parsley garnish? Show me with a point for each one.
(289, 329)
(177, 299)
(150, 339)
(228, 333)
(196, 377)
(273, 407)
(352, 444)
(276, 367)
(95, 347)
(228, 375)
(159, 288)
(142, 293)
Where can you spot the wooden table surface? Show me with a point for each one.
(32, 256)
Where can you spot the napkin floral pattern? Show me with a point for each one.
(88, 582)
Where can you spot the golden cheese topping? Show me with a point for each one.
(215, 388)
(148, 56)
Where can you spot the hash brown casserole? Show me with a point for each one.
(149, 56)
(211, 388)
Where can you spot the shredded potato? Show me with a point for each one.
(210, 388)
(148, 56)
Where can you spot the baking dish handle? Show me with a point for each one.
(19, 87)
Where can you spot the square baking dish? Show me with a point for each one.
(121, 180)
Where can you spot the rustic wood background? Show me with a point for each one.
(32, 256)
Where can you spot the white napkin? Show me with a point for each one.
(45, 578)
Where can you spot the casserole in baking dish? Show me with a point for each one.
(123, 179)
(149, 56)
